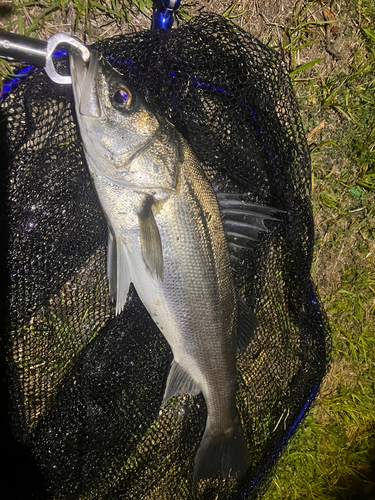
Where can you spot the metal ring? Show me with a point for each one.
(52, 43)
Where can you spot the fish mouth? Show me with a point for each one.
(84, 81)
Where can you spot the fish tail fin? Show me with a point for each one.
(222, 454)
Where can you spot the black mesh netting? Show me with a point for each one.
(86, 386)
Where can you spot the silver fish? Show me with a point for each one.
(166, 236)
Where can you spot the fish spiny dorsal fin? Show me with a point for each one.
(152, 251)
(247, 323)
(242, 221)
(179, 382)
(117, 271)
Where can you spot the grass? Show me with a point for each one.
(333, 453)
(331, 59)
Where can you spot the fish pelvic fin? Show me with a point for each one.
(112, 266)
(179, 382)
(222, 454)
(247, 323)
(152, 251)
(117, 271)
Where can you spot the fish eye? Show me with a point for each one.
(122, 98)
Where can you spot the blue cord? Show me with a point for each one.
(162, 17)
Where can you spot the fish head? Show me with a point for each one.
(117, 129)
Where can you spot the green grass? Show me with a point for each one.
(332, 454)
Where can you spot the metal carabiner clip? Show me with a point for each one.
(39, 53)
(52, 43)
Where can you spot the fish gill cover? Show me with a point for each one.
(86, 385)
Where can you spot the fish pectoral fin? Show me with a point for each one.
(152, 251)
(247, 323)
(179, 382)
(117, 271)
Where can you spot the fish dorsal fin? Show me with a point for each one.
(179, 382)
(117, 271)
(152, 251)
(247, 323)
(242, 221)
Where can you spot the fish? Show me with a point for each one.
(169, 234)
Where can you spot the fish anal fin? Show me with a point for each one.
(152, 251)
(247, 323)
(179, 382)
